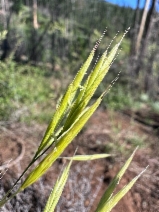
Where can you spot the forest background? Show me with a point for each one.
(47, 41)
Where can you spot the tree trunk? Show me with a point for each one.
(144, 40)
(135, 29)
(35, 18)
(142, 26)
(149, 17)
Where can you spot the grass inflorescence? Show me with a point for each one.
(72, 113)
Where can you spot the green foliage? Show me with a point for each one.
(137, 140)
(17, 6)
(62, 40)
(63, 37)
(21, 86)
(118, 98)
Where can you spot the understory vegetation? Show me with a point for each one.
(43, 44)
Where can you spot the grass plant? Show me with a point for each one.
(71, 115)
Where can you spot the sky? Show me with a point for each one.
(130, 3)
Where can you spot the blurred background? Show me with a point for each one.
(44, 43)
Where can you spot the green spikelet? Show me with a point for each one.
(56, 118)
(62, 143)
(92, 83)
(65, 102)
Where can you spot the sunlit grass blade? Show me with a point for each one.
(95, 79)
(62, 143)
(65, 102)
(87, 157)
(79, 77)
(91, 77)
(97, 69)
(56, 118)
(109, 191)
(111, 56)
(57, 190)
(90, 90)
(110, 204)
(102, 73)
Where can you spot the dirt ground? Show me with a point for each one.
(106, 132)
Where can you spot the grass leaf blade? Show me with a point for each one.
(116, 198)
(109, 191)
(87, 157)
(57, 190)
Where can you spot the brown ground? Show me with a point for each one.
(106, 131)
